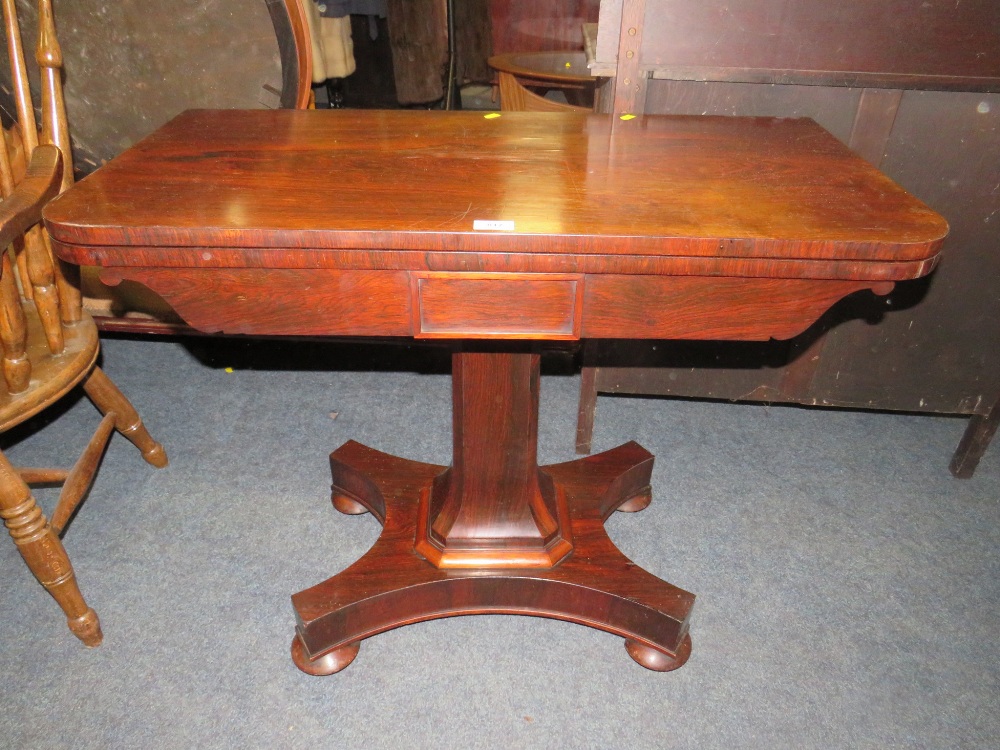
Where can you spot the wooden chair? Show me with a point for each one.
(49, 344)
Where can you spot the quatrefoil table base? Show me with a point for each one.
(492, 572)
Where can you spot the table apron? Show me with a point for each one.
(422, 304)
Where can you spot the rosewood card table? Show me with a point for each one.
(498, 232)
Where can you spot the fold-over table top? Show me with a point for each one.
(232, 187)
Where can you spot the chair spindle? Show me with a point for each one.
(13, 325)
(39, 262)
(55, 130)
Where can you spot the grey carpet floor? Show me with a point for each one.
(847, 585)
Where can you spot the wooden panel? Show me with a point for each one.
(540, 25)
(282, 302)
(895, 43)
(830, 106)
(667, 307)
(935, 347)
(496, 306)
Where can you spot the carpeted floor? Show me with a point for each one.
(847, 586)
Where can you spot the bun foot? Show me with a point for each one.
(347, 505)
(637, 502)
(329, 663)
(656, 660)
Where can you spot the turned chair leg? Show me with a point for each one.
(108, 399)
(44, 553)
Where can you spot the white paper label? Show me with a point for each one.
(485, 225)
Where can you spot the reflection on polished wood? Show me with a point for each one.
(251, 188)
(497, 232)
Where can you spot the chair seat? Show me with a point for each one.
(51, 376)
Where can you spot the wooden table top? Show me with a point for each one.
(689, 189)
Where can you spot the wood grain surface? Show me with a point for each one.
(727, 188)
(933, 44)
(330, 302)
(393, 585)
